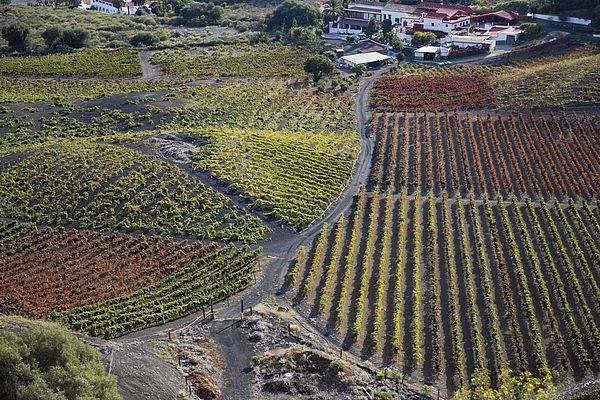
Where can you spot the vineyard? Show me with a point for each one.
(218, 274)
(561, 80)
(108, 284)
(25, 90)
(269, 104)
(102, 63)
(261, 60)
(108, 187)
(518, 279)
(294, 176)
(535, 155)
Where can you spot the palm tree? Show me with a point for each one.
(336, 8)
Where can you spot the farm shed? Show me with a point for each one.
(428, 53)
(367, 59)
(470, 41)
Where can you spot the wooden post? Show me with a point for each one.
(438, 397)
(169, 334)
(211, 308)
(341, 353)
(186, 381)
(385, 374)
(250, 310)
(289, 329)
(242, 308)
(203, 313)
(402, 379)
(190, 389)
(179, 361)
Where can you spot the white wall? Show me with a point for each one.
(433, 24)
(107, 7)
(556, 18)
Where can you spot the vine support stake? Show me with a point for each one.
(242, 308)
(169, 334)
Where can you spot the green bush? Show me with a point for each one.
(382, 395)
(318, 65)
(51, 363)
(143, 38)
(423, 38)
(17, 36)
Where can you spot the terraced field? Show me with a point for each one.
(551, 81)
(103, 186)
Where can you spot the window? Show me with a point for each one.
(446, 25)
(432, 24)
(397, 20)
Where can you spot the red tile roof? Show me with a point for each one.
(436, 6)
(506, 15)
(354, 21)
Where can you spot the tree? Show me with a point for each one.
(201, 14)
(335, 9)
(118, 4)
(51, 363)
(372, 28)
(5, 2)
(53, 36)
(359, 70)
(301, 35)
(400, 57)
(531, 30)
(423, 38)
(394, 41)
(305, 15)
(75, 38)
(318, 65)
(143, 38)
(17, 36)
(386, 26)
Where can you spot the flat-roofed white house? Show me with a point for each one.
(481, 41)
(366, 59)
(356, 18)
(400, 14)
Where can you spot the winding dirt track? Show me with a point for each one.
(279, 251)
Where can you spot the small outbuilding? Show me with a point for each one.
(428, 53)
(372, 59)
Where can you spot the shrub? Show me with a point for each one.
(53, 36)
(379, 394)
(255, 360)
(423, 38)
(201, 14)
(41, 362)
(17, 36)
(75, 38)
(337, 365)
(293, 13)
(531, 30)
(143, 38)
(318, 65)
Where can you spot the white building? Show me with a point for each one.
(106, 6)
(356, 18)
(364, 59)
(446, 22)
(400, 14)
(480, 41)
